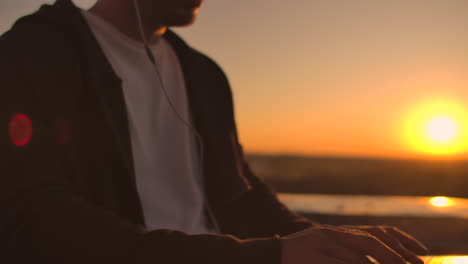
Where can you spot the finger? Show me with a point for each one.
(357, 229)
(368, 245)
(404, 239)
(408, 241)
(348, 255)
(306, 232)
(394, 244)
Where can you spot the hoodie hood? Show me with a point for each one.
(58, 17)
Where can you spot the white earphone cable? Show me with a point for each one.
(178, 115)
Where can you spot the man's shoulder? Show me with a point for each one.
(192, 56)
(34, 38)
(38, 60)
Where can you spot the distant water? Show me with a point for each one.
(366, 205)
(363, 176)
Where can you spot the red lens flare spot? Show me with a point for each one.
(63, 131)
(20, 129)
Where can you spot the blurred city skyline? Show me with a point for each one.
(328, 77)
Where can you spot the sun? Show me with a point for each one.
(438, 128)
(442, 129)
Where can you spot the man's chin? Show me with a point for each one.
(183, 19)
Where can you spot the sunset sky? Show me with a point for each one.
(329, 77)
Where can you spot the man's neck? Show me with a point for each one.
(124, 18)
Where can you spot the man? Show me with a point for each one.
(113, 152)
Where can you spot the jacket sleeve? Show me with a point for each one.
(258, 213)
(44, 221)
(282, 218)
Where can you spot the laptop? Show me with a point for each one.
(445, 259)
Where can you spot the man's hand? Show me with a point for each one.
(334, 245)
(404, 244)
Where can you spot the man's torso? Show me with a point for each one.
(164, 149)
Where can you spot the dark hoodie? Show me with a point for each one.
(67, 193)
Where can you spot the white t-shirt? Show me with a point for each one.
(164, 149)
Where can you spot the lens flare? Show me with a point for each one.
(20, 130)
